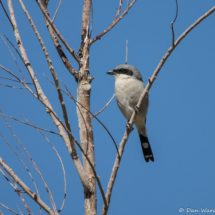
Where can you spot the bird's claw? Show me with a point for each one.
(137, 109)
(129, 126)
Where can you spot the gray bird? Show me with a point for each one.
(128, 88)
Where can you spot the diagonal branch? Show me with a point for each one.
(8, 209)
(48, 190)
(113, 23)
(58, 46)
(51, 68)
(6, 13)
(144, 94)
(56, 10)
(43, 99)
(118, 10)
(26, 188)
(71, 51)
(52, 132)
(104, 106)
(22, 163)
(64, 173)
(13, 58)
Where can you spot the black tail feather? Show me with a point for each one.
(147, 152)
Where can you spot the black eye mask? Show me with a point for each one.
(124, 71)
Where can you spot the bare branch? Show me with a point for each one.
(104, 107)
(71, 51)
(126, 57)
(26, 188)
(6, 14)
(60, 96)
(15, 80)
(14, 48)
(145, 92)
(7, 179)
(8, 209)
(43, 99)
(113, 24)
(118, 10)
(173, 35)
(20, 210)
(52, 132)
(58, 47)
(22, 163)
(64, 173)
(56, 11)
(35, 166)
(24, 202)
(13, 58)
(20, 88)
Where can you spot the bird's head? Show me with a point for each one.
(125, 71)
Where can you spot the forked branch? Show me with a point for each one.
(113, 23)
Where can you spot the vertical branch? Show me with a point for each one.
(83, 95)
(126, 57)
(173, 34)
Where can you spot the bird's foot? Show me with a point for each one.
(137, 109)
(129, 126)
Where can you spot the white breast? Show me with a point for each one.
(128, 91)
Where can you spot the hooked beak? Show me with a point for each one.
(111, 72)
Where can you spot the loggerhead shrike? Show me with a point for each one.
(128, 88)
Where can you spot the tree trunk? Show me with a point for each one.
(84, 117)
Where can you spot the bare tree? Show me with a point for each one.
(86, 172)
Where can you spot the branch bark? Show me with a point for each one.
(83, 97)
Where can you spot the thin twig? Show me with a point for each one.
(113, 24)
(44, 100)
(20, 88)
(13, 58)
(8, 209)
(51, 68)
(126, 56)
(56, 11)
(71, 51)
(37, 169)
(52, 132)
(26, 188)
(104, 106)
(14, 80)
(6, 14)
(14, 48)
(118, 10)
(94, 171)
(144, 94)
(7, 179)
(64, 173)
(24, 202)
(19, 210)
(173, 34)
(22, 163)
(93, 115)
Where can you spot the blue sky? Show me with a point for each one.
(180, 118)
